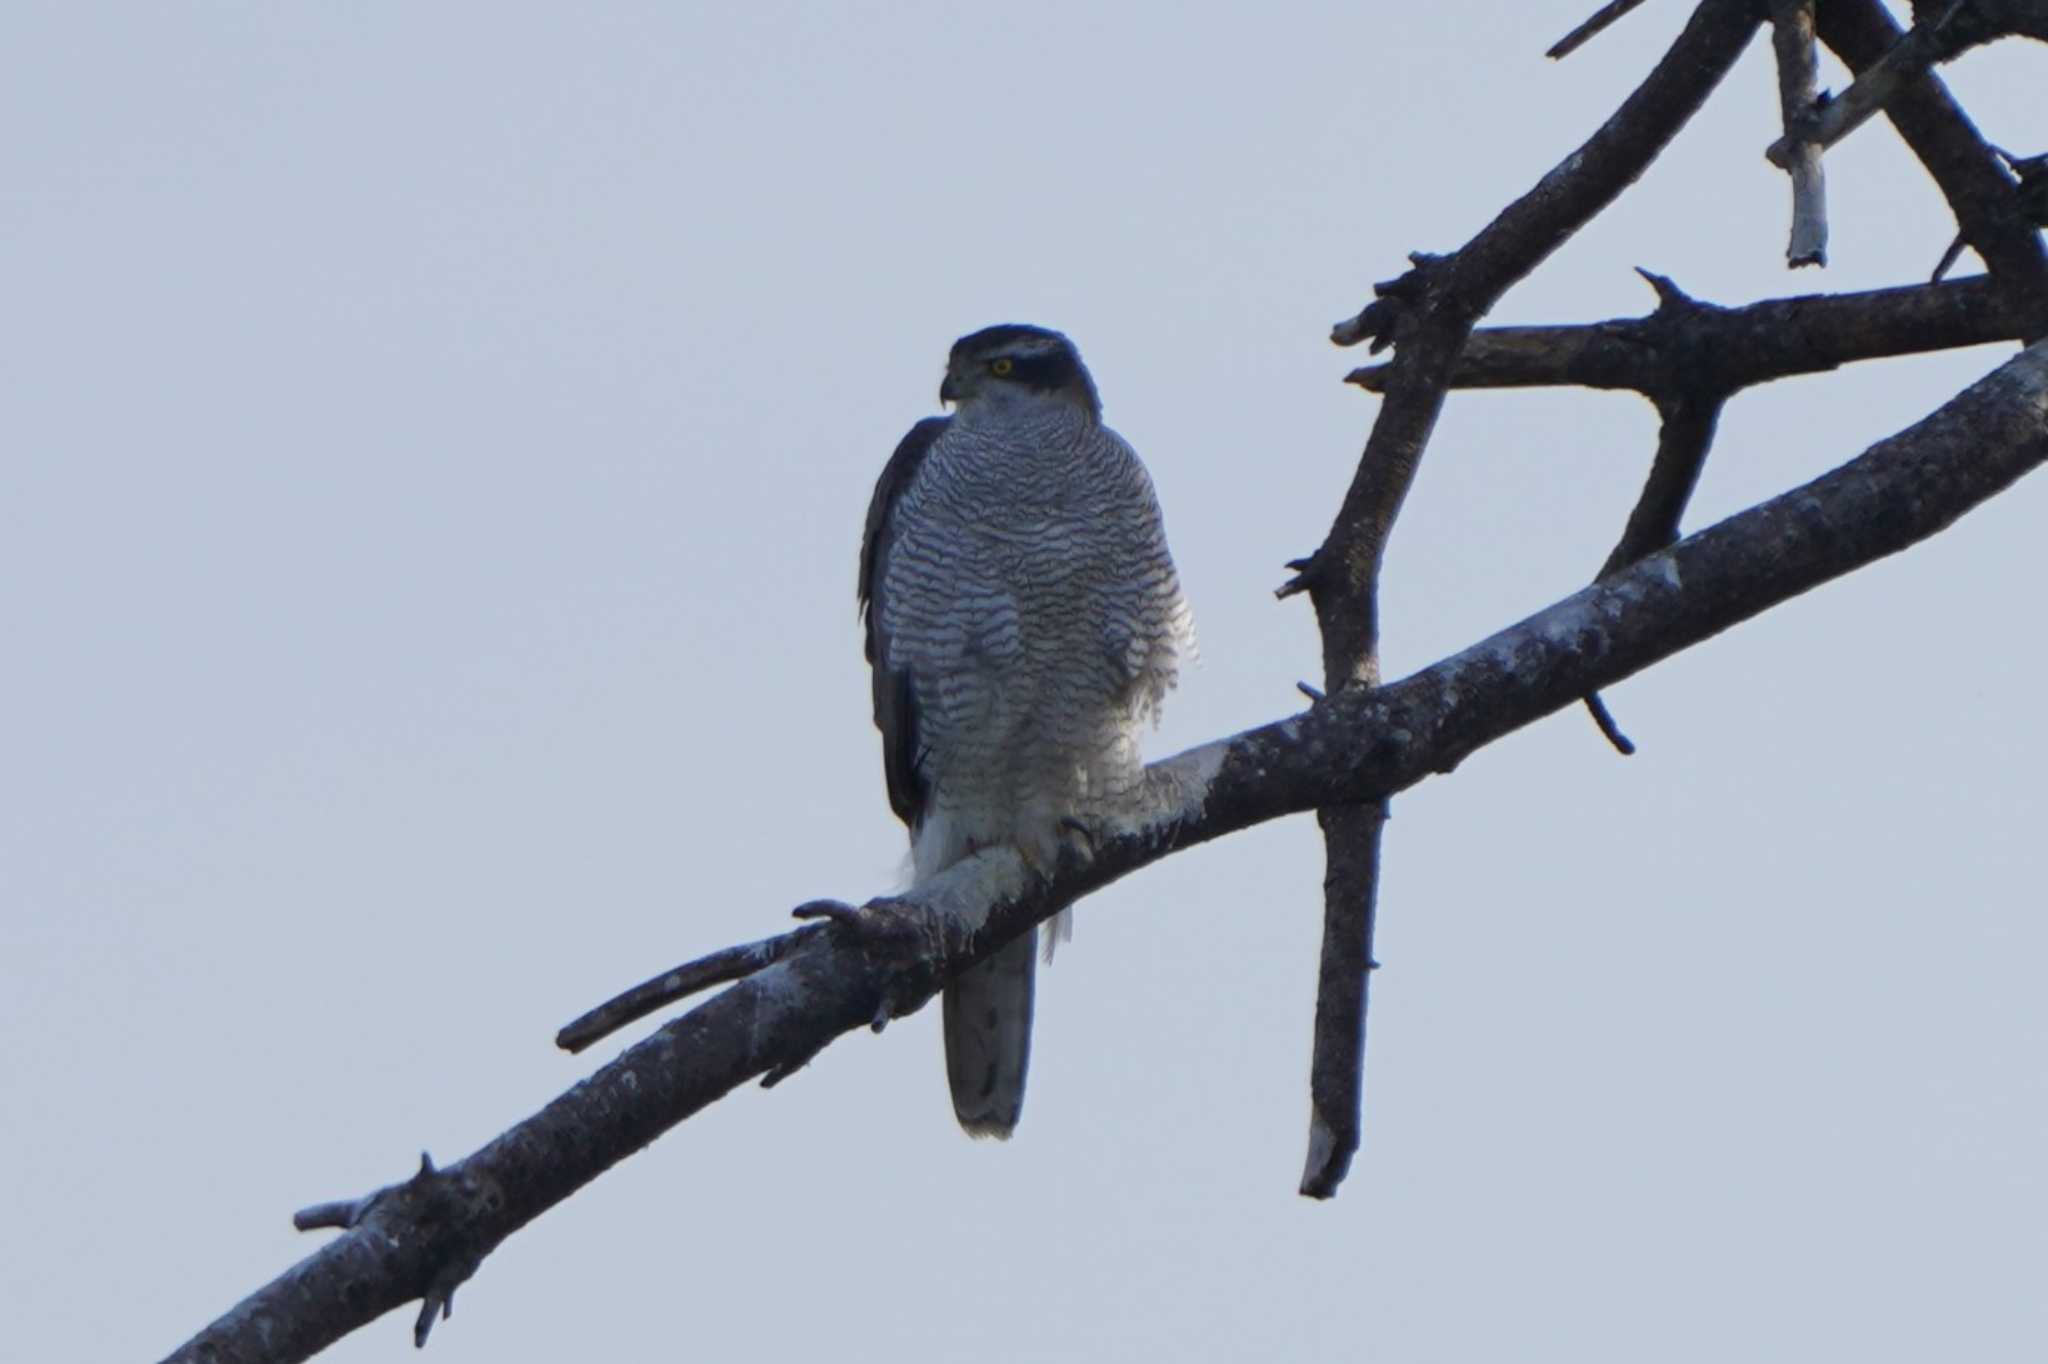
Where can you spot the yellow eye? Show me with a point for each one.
(1001, 367)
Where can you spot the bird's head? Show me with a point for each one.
(1018, 363)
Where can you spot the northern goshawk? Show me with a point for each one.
(1024, 621)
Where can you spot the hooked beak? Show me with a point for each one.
(949, 391)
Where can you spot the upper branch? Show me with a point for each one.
(1987, 205)
(1432, 310)
(1732, 348)
(1358, 745)
(1942, 30)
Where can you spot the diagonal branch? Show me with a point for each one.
(1355, 748)
(1684, 436)
(1429, 313)
(1683, 440)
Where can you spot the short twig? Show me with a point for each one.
(431, 1198)
(1591, 29)
(1304, 569)
(1604, 718)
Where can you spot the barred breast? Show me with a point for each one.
(1033, 603)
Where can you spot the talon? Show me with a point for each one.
(1075, 826)
(838, 911)
(872, 923)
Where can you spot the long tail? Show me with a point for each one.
(988, 1038)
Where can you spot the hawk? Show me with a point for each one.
(1024, 623)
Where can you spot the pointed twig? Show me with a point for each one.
(1591, 29)
(1596, 706)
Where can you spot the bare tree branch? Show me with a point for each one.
(678, 983)
(1355, 748)
(1682, 444)
(1798, 89)
(1737, 347)
(1683, 439)
(1336, 1081)
(1428, 314)
(1818, 126)
(1942, 31)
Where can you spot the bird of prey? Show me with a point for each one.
(1024, 623)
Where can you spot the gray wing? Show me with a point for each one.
(895, 707)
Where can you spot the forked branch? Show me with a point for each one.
(1427, 315)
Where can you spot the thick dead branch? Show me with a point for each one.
(1798, 90)
(1336, 1082)
(1357, 747)
(1735, 347)
(1428, 314)
(1989, 214)
(1601, 20)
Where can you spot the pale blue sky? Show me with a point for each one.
(436, 444)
